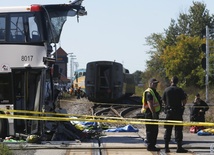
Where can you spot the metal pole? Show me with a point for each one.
(207, 64)
(70, 65)
(72, 70)
(71, 73)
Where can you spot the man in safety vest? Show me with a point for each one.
(151, 107)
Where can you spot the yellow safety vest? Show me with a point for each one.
(156, 103)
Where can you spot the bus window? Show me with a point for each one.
(24, 28)
(33, 30)
(2, 28)
(17, 29)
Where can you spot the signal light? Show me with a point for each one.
(203, 63)
(35, 8)
(203, 48)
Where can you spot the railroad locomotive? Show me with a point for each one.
(108, 81)
(78, 83)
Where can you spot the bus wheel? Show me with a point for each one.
(4, 128)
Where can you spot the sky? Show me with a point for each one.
(115, 30)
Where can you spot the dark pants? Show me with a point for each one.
(174, 115)
(200, 118)
(178, 133)
(151, 131)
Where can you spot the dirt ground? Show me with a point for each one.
(83, 107)
(76, 106)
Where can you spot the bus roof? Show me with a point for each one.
(15, 9)
(38, 7)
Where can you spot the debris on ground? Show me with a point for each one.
(127, 128)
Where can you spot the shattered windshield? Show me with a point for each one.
(57, 15)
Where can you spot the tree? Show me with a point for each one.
(156, 43)
(176, 51)
(199, 18)
(137, 77)
(184, 60)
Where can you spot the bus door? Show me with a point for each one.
(27, 96)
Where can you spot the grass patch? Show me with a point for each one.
(4, 150)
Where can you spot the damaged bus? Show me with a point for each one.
(28, 38)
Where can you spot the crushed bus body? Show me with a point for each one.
(28, 35)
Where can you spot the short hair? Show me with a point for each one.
(197, 95)
(153, 80)
(174, 79)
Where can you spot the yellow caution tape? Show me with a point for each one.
(106, 120)
(50, 116)
(26, 112)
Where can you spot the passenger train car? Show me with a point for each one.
(108, 81)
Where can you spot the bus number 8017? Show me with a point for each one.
(27, 58)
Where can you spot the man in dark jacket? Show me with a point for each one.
(174, 100)
(198, 109)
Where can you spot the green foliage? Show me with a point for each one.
(177, 50)
(156, 42)
(139, 91)
(184, 59)
(4, 150)
(137, 77)
(66, 95)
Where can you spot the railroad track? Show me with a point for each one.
(112, 144)
(195, 146)
(116, 111)
(127, 107)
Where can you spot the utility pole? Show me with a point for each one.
(72, 57)
(71, 68)
(76, 64)
(207, 64)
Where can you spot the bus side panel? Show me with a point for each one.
(19, 56)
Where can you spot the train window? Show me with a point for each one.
(127, 71)
(80, 74)
(2, 28)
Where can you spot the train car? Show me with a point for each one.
(108, 81)
(28, 38)
(78, 84)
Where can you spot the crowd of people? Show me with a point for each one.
(173, 101)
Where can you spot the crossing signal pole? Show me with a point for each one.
(207, 64)
(205, 61)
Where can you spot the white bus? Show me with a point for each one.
(27, 37)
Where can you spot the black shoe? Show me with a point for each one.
(153, 149)
(167, 150)
(181, 150)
